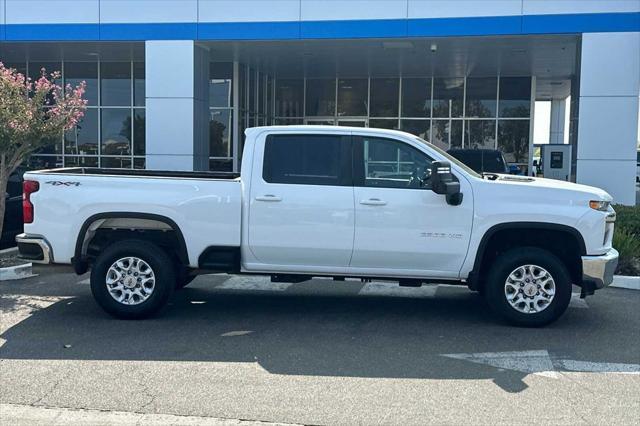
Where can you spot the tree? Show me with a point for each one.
(32, 114)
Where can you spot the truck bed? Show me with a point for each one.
(141, 173)
(204, 206)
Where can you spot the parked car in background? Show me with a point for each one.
(12, 224)
(482, 160)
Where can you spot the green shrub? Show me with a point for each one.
(628, 217)
(628, 245)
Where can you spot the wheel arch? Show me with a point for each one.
(534, 231)
(86, 233)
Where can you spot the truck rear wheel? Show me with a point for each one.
(132, 279)
(528, 286)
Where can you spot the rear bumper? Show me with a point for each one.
(599, 270)
(34, 248)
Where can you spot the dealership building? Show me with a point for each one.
(172, 84)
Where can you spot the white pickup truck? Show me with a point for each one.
(315, 201)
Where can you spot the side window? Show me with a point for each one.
(307, 160)
(388, 163)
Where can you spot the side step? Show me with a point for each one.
(289, 278)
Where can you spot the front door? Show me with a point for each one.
(402, 227)
(301, 212)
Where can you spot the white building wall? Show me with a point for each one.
(557, 121)
(249, 10)
(176, 106)
(161, 11)
(321, 10)
(461, 8)
(52, 11)
(608, 117)
(544, 7)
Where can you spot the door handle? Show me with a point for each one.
(268, 197)
(373, 202)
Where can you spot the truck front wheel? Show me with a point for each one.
(528, 286)
(132, 279)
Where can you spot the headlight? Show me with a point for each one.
(602, 206)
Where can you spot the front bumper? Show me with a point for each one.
(34, 248)
(599, 270)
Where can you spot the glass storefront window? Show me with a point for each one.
(416, 97)
(456, 133)
(116, 131)
(353, 97)
(262, 91)
(385, 99)
(54, 146)
(83, 139)
(252, 89)
(480, 134)
(288, 121)
(139, 140)
(103, 132)
(139, 163)
(440, 133)
(242, 87)
(513, 140)
(269, 110)
(221, 165)
(220, 94)
(77, 161)
(220, 133)
(36, 162)
(420, 128)
(220, 84)
(115, 83)
(139, 94)
(76, 72)
(448, 96)
(321, 97)
(289, 98)
(20, 67)
(50, 67)
(515, 97)
(382, 123)
(482, 95)
(115, 162)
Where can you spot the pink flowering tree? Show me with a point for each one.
(32, 114)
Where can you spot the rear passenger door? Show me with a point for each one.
(301, 203)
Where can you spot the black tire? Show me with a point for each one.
(508, 262)
(160, 264)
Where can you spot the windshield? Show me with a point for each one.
(450, 158)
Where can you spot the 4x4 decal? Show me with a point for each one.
(62, 183)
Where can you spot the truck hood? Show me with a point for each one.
(581, 191)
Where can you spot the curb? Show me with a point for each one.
(17, 272)
(623, 281)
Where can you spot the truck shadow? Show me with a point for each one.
(381, 337)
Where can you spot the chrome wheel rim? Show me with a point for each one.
(130, 280)
(529, 289)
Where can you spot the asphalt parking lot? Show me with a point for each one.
(319, 352)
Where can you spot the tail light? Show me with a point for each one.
(28, 188)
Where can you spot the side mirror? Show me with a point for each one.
(444, 183)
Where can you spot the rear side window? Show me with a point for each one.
(307, 160)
